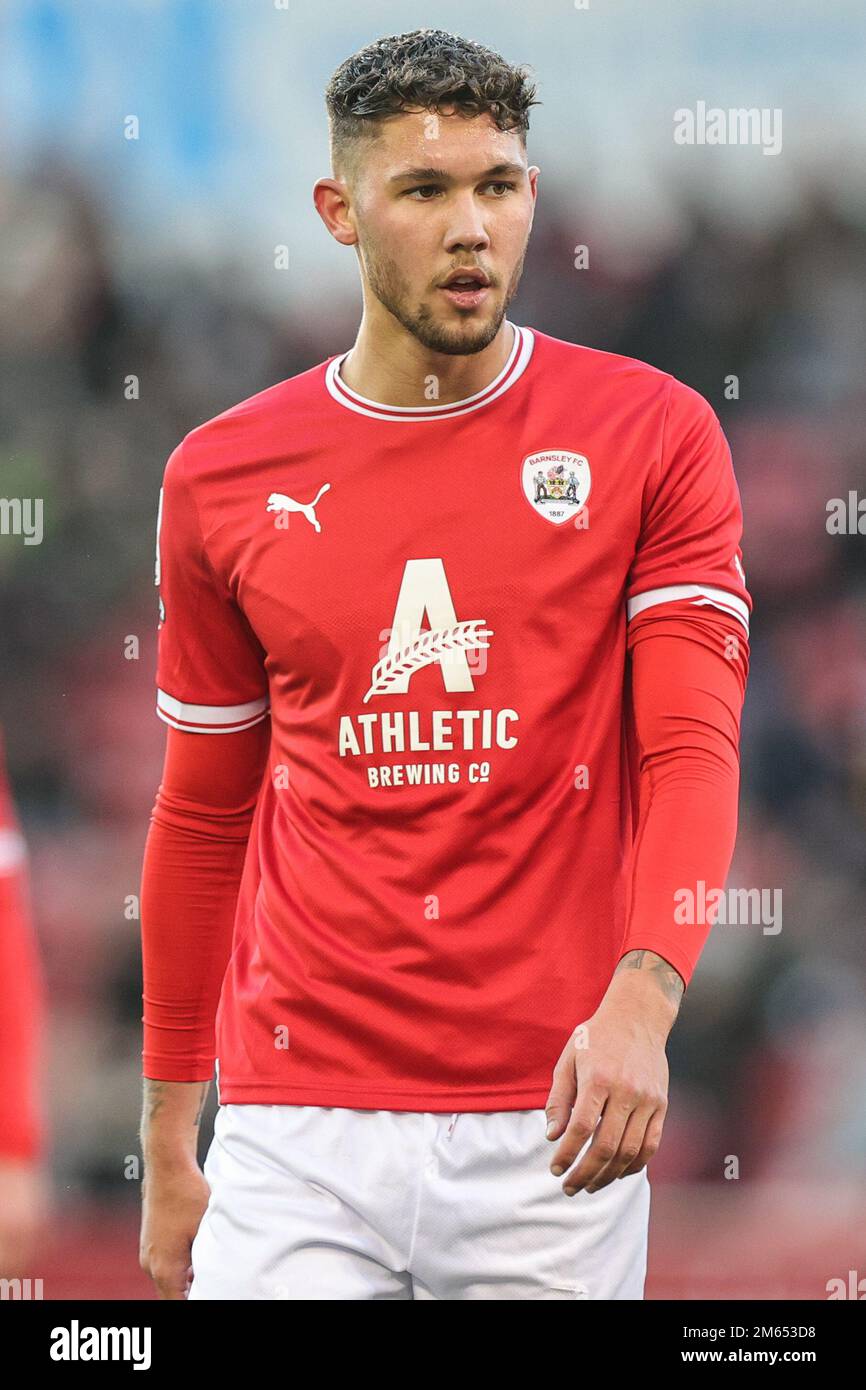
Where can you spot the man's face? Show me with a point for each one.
(435, 194)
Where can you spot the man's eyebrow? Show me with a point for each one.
(433, 175)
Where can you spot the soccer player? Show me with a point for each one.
(23, 1191)
(439, 758)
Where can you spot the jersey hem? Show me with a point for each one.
(238, 1093)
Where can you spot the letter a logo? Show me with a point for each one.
(425, 590)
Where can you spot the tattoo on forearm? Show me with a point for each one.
(670, 981)
(154, 1095)
(201, 1105)
(157, 1092)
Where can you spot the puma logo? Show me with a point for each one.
(279, 502)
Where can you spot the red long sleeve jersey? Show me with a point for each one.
(432, 605)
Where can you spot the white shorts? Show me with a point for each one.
(323, 1202)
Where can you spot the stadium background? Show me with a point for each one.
(154, 257)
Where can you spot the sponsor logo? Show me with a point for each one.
(279, 502)
(452, 645)
(425, 590)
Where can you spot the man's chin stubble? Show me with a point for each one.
(456, 341)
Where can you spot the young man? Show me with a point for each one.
(469, 746)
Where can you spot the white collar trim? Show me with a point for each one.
(518, 359)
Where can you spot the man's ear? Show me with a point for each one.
(332, 201)
(533, 171)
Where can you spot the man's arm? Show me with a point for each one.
(192, 868)
(688, 676)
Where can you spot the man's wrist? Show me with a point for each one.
(171, 1116)
(653, 981)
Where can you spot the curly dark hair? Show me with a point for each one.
(422, 70)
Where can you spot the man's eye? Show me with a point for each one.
(502, 186)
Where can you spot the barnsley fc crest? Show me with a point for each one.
(556, 483)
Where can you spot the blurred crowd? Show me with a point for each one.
(101, 374)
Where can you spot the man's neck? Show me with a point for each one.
(398, 371)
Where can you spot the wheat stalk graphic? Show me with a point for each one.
(425, 648)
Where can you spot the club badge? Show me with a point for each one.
(556, 483)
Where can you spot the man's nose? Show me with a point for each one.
(466, 229)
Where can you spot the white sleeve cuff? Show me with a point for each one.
(700, 594)
(210, 719)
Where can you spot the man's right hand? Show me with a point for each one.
(174, 1201)
(174, 1192)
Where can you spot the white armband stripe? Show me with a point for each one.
(210, 719)
(701, 594)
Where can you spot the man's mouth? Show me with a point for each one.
(466, 289)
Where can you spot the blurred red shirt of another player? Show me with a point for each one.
(22, 1004)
